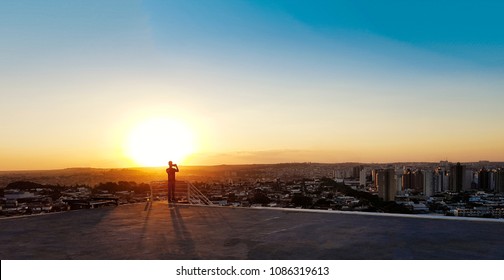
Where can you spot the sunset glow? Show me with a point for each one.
(156, 141)
(237, 82)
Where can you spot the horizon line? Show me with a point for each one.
(245, 164)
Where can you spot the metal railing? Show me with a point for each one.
(185, 192)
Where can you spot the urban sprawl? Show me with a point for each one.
(443, 188)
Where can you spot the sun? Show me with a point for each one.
(156, 141)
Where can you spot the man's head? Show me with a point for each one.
(170, 163)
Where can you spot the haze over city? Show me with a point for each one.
(137, 83)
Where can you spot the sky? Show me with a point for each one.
(254, 81)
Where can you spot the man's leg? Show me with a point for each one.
(169, 192)
(173, 191)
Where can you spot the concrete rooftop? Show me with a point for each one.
(197, 232)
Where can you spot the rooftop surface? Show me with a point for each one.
(161, 231)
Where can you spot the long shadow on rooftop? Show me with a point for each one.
(198, 232)
(183, 236)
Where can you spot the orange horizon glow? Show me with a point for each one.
(151, 139)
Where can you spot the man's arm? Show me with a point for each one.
(176, 168)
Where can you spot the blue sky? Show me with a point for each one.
(468, 30)
(269, 79)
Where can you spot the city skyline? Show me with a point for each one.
(92, 83)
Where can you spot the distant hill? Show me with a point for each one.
(93, 176)
(22, 185)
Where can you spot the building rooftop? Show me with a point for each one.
(136, 231)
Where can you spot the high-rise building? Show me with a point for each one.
(418, 181)
(412, 180)
(399, 181)
(386, 183)
(499, 181)
(492, 180)
(457, 174)
(356, 171)
(363, 176)
(484, 179)
(407, 179)
(428, 183)
(440, 180)
(373, 175)
(468, 180)
(475, 182)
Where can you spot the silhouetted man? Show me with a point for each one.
(172, 168)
